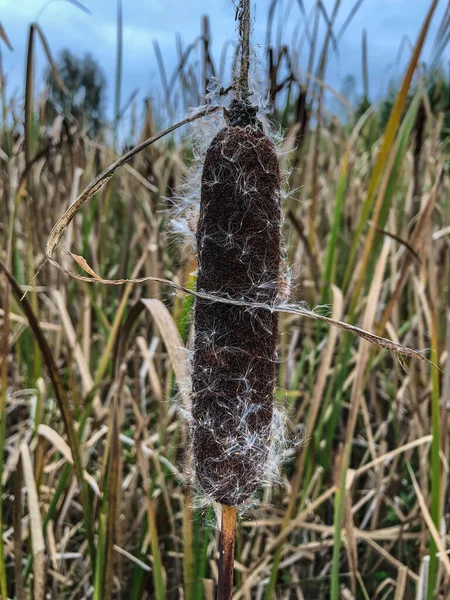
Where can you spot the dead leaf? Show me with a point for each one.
(84, 265)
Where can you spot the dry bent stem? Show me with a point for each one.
(226, 558)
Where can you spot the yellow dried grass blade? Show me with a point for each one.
(173, 342)
(429, 522)
(29, 86)
(386, 145)
(37, 537)
(5, 38)
(357, 389)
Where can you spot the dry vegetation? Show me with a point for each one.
(95, 501)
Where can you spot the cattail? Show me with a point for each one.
(238, 243)
(238, 246)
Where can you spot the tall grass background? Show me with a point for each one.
(94, 498)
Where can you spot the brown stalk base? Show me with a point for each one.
(226, 558)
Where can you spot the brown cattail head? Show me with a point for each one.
(233, 376)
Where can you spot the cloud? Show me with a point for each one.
(66, 26)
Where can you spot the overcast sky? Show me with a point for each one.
(387, 22)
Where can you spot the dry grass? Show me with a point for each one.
(93, 378)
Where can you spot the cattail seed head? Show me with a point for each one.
(233, 374)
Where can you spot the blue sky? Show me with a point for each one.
(387, 22)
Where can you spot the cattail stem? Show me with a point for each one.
(226, 559)
(243, 16)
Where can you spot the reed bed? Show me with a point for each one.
(96, 499)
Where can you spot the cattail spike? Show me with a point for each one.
(233, 378)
